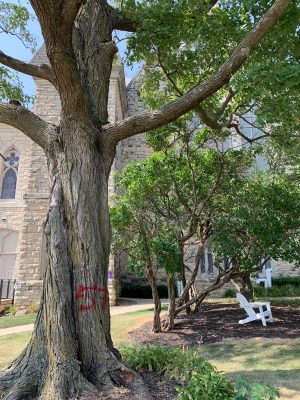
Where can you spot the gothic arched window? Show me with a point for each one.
(9, 174)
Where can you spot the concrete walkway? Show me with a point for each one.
(137, 305)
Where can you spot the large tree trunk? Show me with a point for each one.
(71, 351)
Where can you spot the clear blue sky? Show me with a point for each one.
(14, 48)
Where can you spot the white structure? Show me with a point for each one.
(265, 276)
(262, 315)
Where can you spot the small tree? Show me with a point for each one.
(149, 244)
(169, 199)
(263, 223)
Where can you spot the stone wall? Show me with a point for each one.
(132, 149)
(286, 269)
(36, 203)
(11, 210)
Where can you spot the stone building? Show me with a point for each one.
(24, 191)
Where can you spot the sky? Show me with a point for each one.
(14, 48)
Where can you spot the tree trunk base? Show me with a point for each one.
(68, 383)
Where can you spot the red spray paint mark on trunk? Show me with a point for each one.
(88, 294)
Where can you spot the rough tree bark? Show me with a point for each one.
(242, 282)
(156, 299)
(71, 354)
(168, 322)
(183, 276)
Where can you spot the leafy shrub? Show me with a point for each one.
(197, 378)
(34, 307)
(229, 293)
(143, 291)
(286, 280)
(287, 290)
(11, 310)
(254, 391)
(283, 302)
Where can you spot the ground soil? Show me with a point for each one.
(219, 322)
(158, 388)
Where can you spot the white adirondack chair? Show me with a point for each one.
(262, 315)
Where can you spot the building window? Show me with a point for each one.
(9, 174)
(207, 262)
(226, 262)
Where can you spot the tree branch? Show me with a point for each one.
(222, 109)
(43, 72)
(57, 18)
(30, 124)
(122, 22)
(146, 121)
(204, 116)
(266, 133)
(249, 140)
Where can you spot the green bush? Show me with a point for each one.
(286, 280)
(197, 378)
(254, 391)
(34, 307)
(287, 290)
(11, 310)
(229, 293)
(143, 291)
(284, 301)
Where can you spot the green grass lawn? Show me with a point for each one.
(11, 346)
(10, 321)
(276, 364)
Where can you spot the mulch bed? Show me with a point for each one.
(158, 388)
(217, 322)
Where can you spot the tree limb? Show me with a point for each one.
(249, 140)
(146, 121)
(122, 22)
(57, 19)
(43, 71)
(204, 116)
(207, 119)
(30, 124)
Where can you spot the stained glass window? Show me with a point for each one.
(207, 262)
(9, 184)
(13, 159)
(202, 263)
(10, 173)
